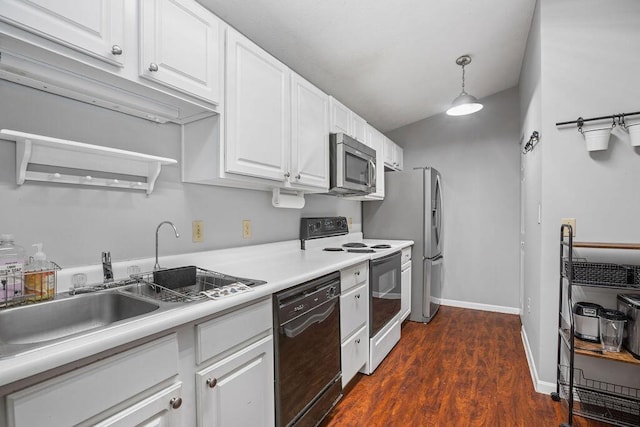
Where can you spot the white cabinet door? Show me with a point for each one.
(258, 107)
(354, 353)
(389, 152)
(340, 117)
(160, 410)
(180, 47)
(359, 128)
(238, 390)
(309, 134)
(93, 27)
(399, 158)
(405, 289)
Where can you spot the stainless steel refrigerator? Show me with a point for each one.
(412, 210)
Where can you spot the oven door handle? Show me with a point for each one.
(293, 331)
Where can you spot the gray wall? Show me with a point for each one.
(587, 69)
(76, 224)
(478, 156)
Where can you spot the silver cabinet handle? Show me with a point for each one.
(357, 296)
(357, 340)
(212, 382)
(357, 273)
(116, 50)
(298, 176)
(153, 67)
(287, 174)
(176, 402)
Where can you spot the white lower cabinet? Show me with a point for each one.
(80, 396)
(159, 410)
(238, 390)
(354, 320)
(405, 284)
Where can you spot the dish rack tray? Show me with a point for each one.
(185, 284)
(599, 400)
(600, 274)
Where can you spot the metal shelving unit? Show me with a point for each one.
(598, 400)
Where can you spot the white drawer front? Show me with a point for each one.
(92, 389)
(406, 255)
(383, 342)
(354, 309)
(354, 352)
(352, 276)
(223, 333)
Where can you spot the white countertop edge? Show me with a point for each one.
(52, 356)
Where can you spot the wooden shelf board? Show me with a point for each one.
(602, 245)
(591, 349)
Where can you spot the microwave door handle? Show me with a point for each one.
(372, 173)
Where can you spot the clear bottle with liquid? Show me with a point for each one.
(12, 263)
(39, 277)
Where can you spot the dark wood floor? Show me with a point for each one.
(465, 368)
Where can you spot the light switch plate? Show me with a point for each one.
(572, 223)
(197, 231)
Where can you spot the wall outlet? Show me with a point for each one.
(350, 221)
(529, 305)
(197, 231)
(572, 223)
(246, 229)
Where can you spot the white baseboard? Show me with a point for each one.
(544, 387)
(478, 306)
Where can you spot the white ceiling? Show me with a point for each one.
(390, 61)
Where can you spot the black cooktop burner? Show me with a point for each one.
(333, 249)
(354, 245)
(381, 246)
(361, 251)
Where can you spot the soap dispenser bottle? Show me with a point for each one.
(40, 282)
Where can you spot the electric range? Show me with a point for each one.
(331, 235)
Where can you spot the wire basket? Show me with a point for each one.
(184, 284)
(34, 283)
(601, 400)
(603, 274)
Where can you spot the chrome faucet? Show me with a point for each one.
(175, 230)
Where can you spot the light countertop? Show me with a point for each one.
(281, 265)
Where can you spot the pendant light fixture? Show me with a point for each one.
(464, 103)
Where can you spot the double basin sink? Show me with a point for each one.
(40, 324)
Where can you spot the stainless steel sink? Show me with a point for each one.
(43, 322)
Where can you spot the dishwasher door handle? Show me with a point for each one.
(292, 331)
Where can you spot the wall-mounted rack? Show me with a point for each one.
(580, 121)
(71, 162)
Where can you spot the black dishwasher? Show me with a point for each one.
(307, 345)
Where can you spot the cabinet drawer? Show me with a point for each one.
(352, 276)
(354, 309)
(354, 353)
(225, 332)
(406, 255)
(92, 389)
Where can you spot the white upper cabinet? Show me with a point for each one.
(346, 121)
(258, 119)
(180, 47)
(93, 27)
(359, 128)
(309, 134)
(393, 155)
(340, 117)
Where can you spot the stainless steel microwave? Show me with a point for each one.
(352, 166)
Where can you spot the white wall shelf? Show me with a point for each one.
(79, 162)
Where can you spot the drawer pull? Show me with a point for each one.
(116, 50)
(357, 296)
(357, 273)
(153, 67)
(176, 402)
(212, 382)
(357, 340)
